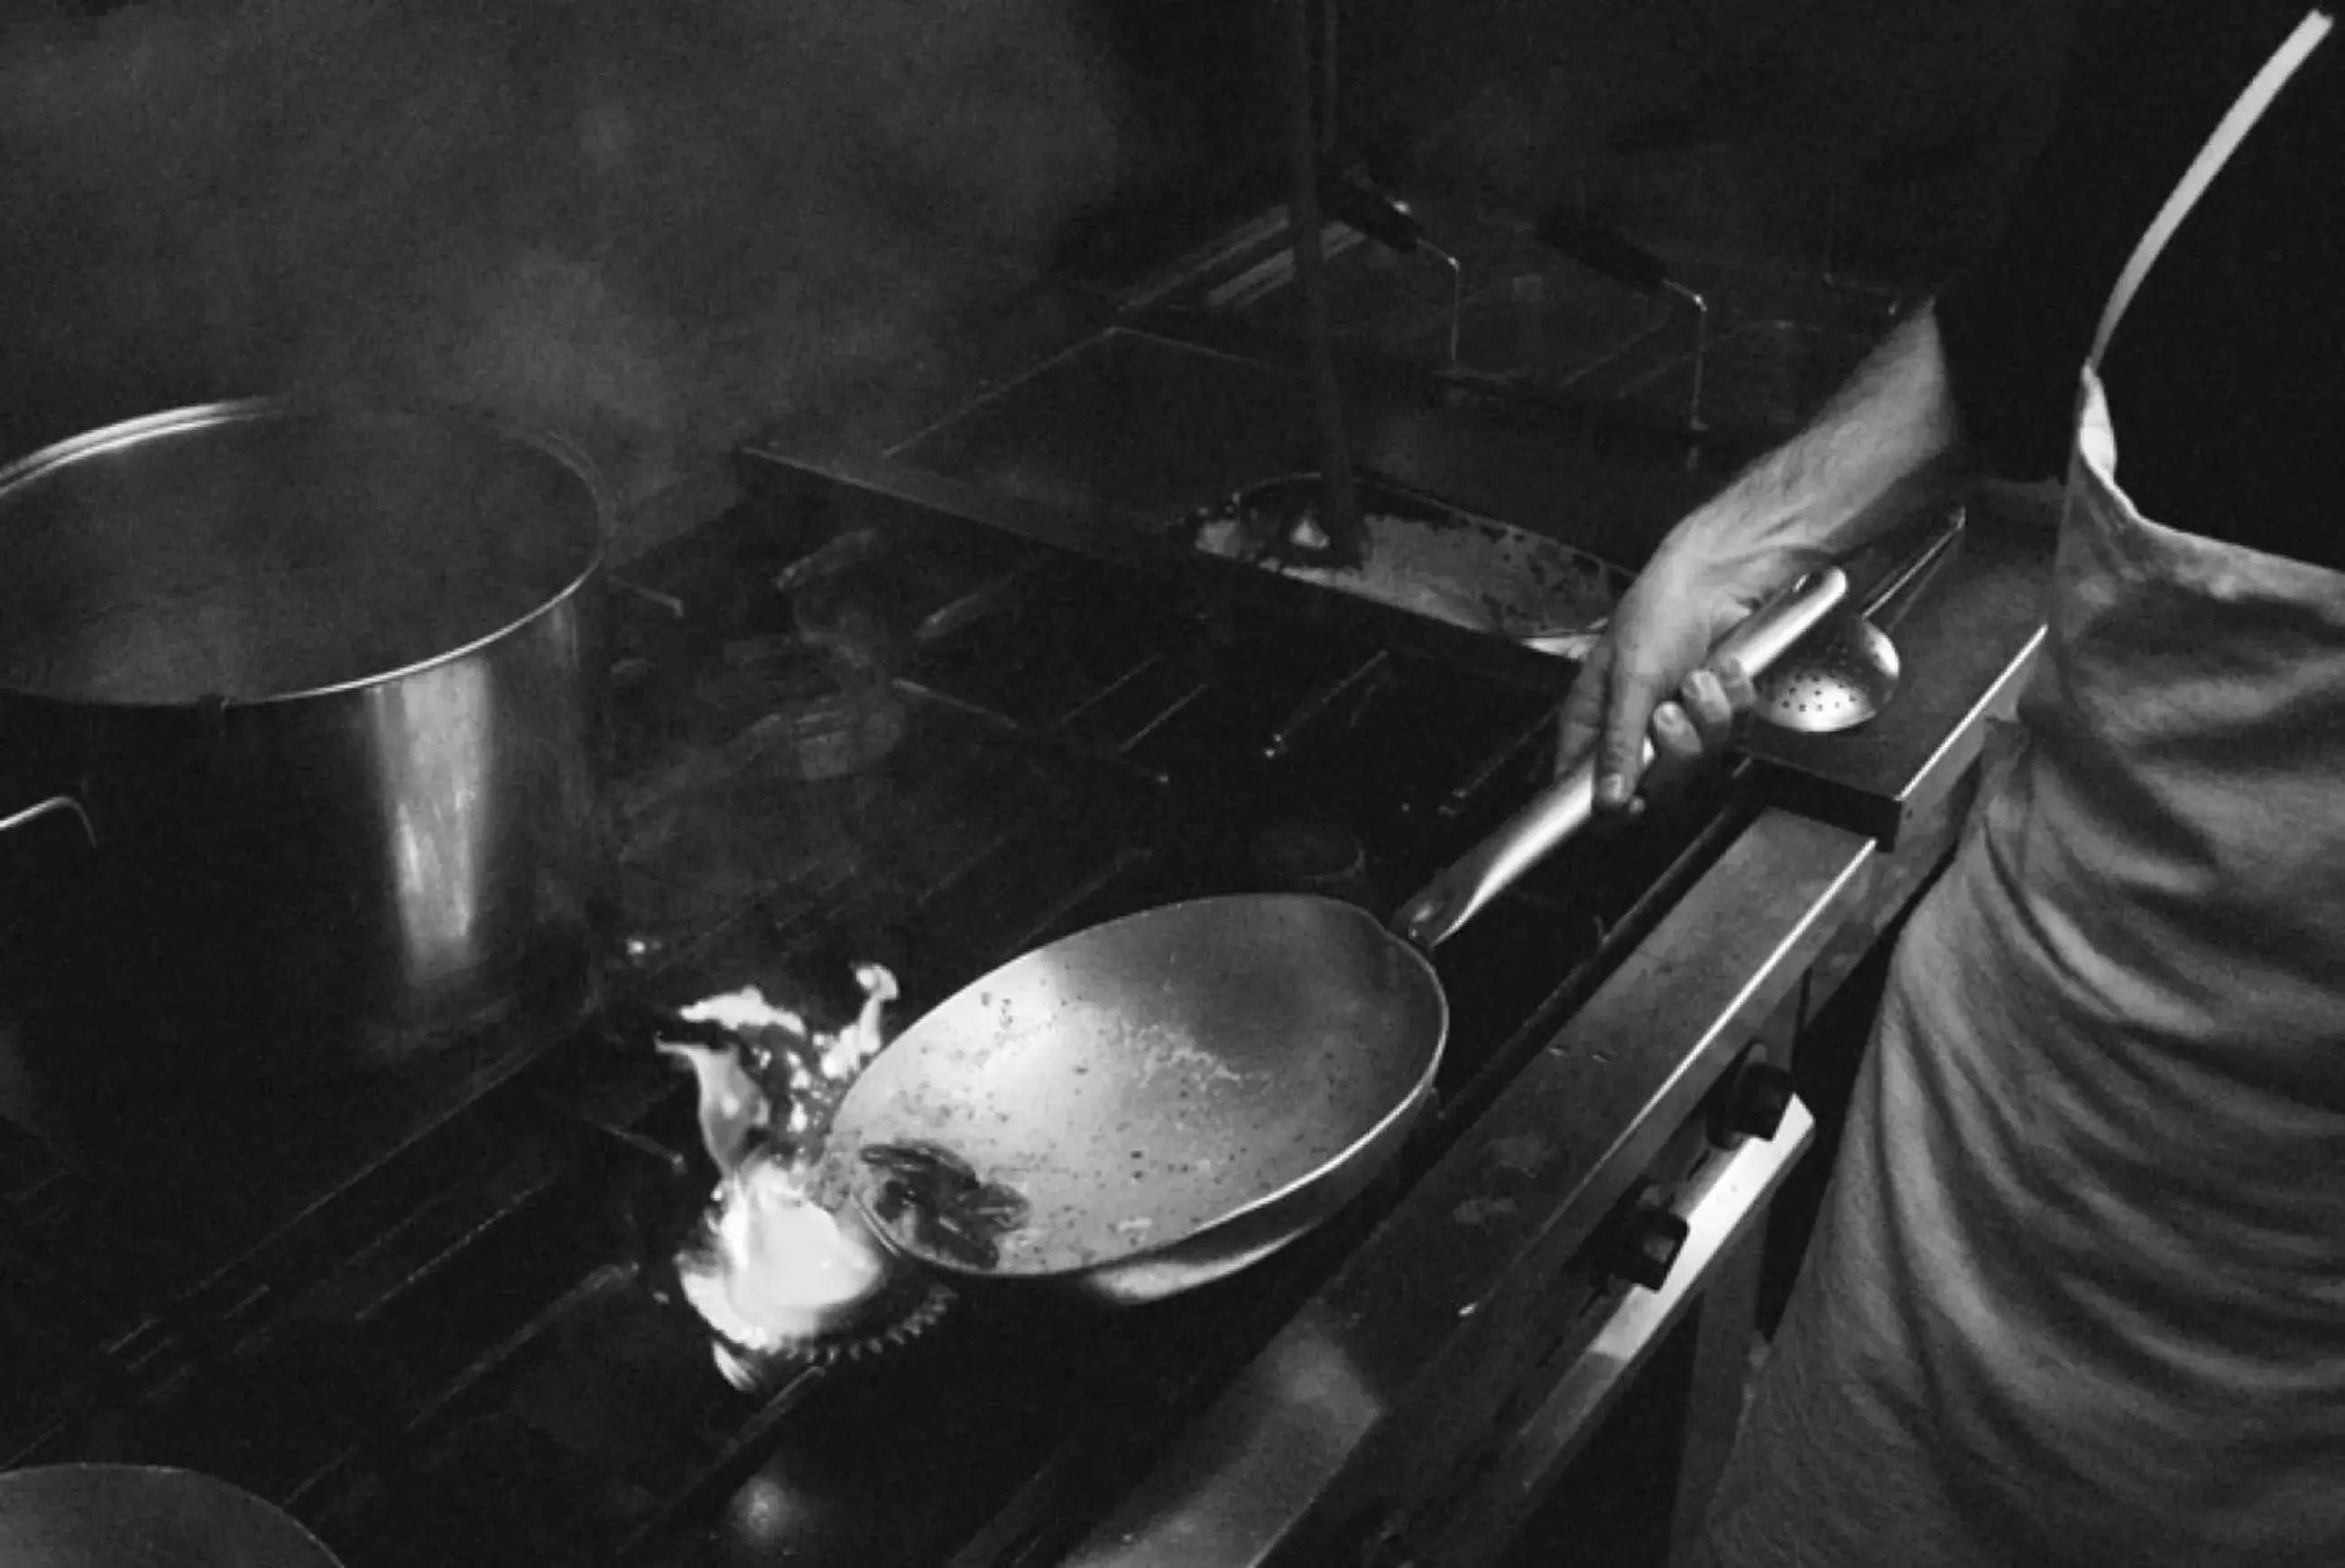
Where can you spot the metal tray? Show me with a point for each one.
(1424, 556)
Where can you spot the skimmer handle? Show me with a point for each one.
(1463, 889)
(1902, 586)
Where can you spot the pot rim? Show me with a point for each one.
(30, 468)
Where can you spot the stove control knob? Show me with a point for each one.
(1756, 1095)
(1650, 1240)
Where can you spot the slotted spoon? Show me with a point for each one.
(1845, 673)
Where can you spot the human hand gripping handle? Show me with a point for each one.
(1652, 690)
(1656, 699)
(1456, 893)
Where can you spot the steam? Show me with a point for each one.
(648, 226)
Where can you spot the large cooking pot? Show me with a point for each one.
(301, 722)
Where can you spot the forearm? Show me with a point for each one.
(1890, 435)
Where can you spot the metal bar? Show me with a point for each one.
(652, 596)
(1717, 1375)
(1267, 277)
(1047, 739)
(1081, 894)
(958, 872)
(1732, 1201)
(416, 1426)
(733, 1463)
(1314, 706)
(1263, 228)
(1331, 76)
(1166, 715)
(1916, 568)
(1110, 690)
(986, 599)
(479, 1209)
(1628, 929)
(963, 410)
(1459, 800)
(835, 555)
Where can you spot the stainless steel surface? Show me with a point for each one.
(1411, 1341)
(251, 553)
(1461, 890)
(1141, 429)
(1176, 1093)
(1456, 305)
(1105, 447)
(1971, 644)
(1732, 1198)
(144, 1516)
(1424, 555)
(1700, 353)
(1847, 671)
(1423, 1343)
(328, 686)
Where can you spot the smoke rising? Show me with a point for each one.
(649, 225)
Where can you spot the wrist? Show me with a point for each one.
(1731, 546)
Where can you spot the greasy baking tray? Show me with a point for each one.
(1423, 555)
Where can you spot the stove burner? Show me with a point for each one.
(904, 1306)
(1322, 857)
(810, 708)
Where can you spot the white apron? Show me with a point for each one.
(2078, 1296)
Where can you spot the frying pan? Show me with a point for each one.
(142, 1516)
(1182, 1092)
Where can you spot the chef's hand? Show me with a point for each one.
(1825, 491)
(1651, 673)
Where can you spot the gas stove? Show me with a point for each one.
(427, 1315)
(434, 1315)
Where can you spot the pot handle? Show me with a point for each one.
(56, 803)
(1463, 889)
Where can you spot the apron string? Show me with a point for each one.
(2250, 107)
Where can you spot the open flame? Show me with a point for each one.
(774, 1268)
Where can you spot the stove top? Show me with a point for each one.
(426, 1315)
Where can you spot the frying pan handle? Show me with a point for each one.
(1462, 890)
(54, 803)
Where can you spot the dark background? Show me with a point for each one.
(1722, 123)
(655, 226)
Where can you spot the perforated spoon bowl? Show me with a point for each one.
(1844, 672)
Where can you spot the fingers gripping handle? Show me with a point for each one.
(1776, 627)
(1462, 890)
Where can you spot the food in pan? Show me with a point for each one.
(935, 1201)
